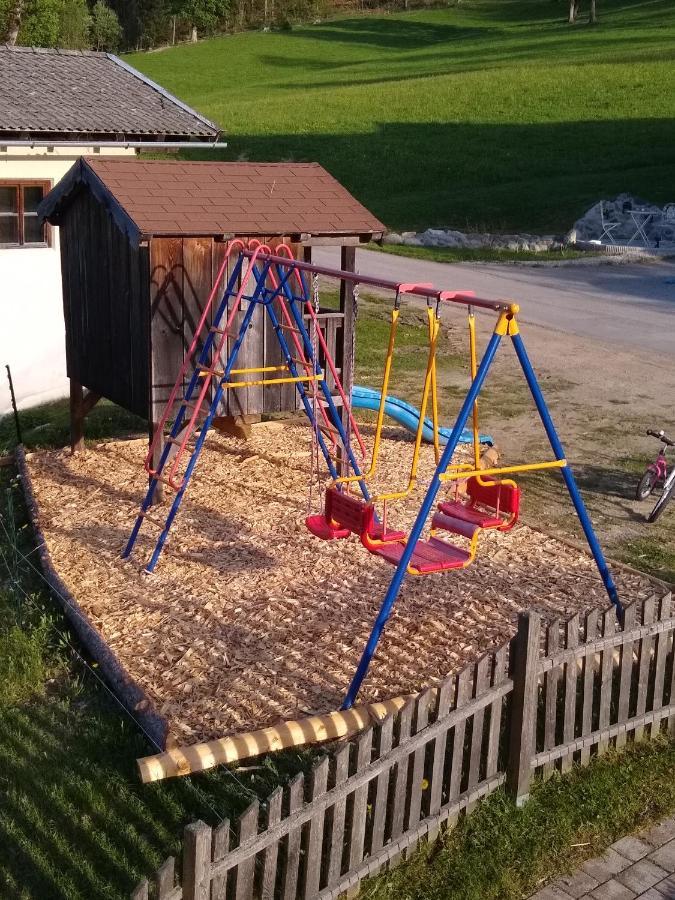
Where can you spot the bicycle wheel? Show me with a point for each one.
(662, 502)
(646, 485)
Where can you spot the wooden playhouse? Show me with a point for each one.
(141, 243)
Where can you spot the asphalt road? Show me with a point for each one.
(630, 305)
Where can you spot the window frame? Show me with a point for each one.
(20, 184)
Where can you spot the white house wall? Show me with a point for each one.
(32, 334)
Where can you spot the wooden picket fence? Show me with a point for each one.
(554, 696)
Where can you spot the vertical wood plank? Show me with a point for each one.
(338, 824)
(196, 861)
(140, 892)
(524, 664)
(626, 676)
(292, 863)
(248, 829)
(590, 633)
(498, 676)
(381, 801)
(417, 783)
(401, 776)
(446, 695)
(219, 850)
(315, 842)
(166, 311)
(271, 854)
(551, 680)
(165, 878)
(606, 669)
(459, 731)
(481, 682)
(645, 661)
(571, 678)
(364, 747)
(660, 666)
(197, 284)
(671, 720)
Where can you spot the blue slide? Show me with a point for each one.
(407, 415)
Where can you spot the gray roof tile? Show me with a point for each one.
(65, 94)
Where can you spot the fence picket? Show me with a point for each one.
(626, 678)
(271, 855)
(165, 878)
(456, 767)
(445, 697)
(381, 802)
(606, 669)
(551, 680)
(196, 861)
(660, 667)
(248, 828)
(481, 683)
(338, 825)
(315, 841)
(645, 662)
(671, 720)
(364, 747)
(498, 675)
(401, 777)
(416, 785)
(296, 791)
(219, 850)
(571, 679)
(590, 633)
(525, 669)
(141, 891)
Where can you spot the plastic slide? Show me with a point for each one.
(408, 415)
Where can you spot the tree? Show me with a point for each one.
(40, 23)
(75, 24)
(14, 12)
(201, 15)
(106, 31)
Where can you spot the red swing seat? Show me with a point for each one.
(493, 504)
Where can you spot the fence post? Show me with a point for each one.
(197, 862)
(525, 649)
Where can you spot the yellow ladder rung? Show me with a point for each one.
(266, 381)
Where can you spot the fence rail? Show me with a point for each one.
(552, 697)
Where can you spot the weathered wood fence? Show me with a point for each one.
(554, 696)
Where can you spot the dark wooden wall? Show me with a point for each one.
(105, 290)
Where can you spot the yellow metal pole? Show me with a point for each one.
(505, 470)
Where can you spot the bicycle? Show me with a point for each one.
(657, 473)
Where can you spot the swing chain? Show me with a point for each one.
(315, 471)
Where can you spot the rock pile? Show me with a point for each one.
(437, 237)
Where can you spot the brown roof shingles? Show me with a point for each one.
(212, 198)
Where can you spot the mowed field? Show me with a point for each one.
(494, 114)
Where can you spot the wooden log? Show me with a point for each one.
(296, 733)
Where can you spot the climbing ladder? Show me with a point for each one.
(189, 413)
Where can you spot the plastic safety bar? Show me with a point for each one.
(462, 297)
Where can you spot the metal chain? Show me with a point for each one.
(314, 450)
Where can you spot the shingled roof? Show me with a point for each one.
(72, 94)
(157, 197)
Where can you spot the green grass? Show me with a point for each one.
(651, 554)
(493, 114)
(504, 853)
(480, 254)
(75, 821)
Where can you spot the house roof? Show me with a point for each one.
(158, 197)
(73, 94)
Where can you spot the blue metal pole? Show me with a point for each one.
(422, 516)
(567, 475)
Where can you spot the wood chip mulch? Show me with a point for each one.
(250, 619)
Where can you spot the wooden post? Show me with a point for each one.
(81, 405)
(348, 309)
(524, 664)
(197, 862)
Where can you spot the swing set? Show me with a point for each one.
(280, 285)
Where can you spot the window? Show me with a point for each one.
(19, 223)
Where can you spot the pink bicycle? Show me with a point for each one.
(657, 473)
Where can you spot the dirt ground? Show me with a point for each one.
(250, 619)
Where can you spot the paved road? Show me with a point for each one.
(633, 305)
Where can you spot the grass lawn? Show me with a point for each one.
(481, 254)
(504, 853)
(492, 115)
